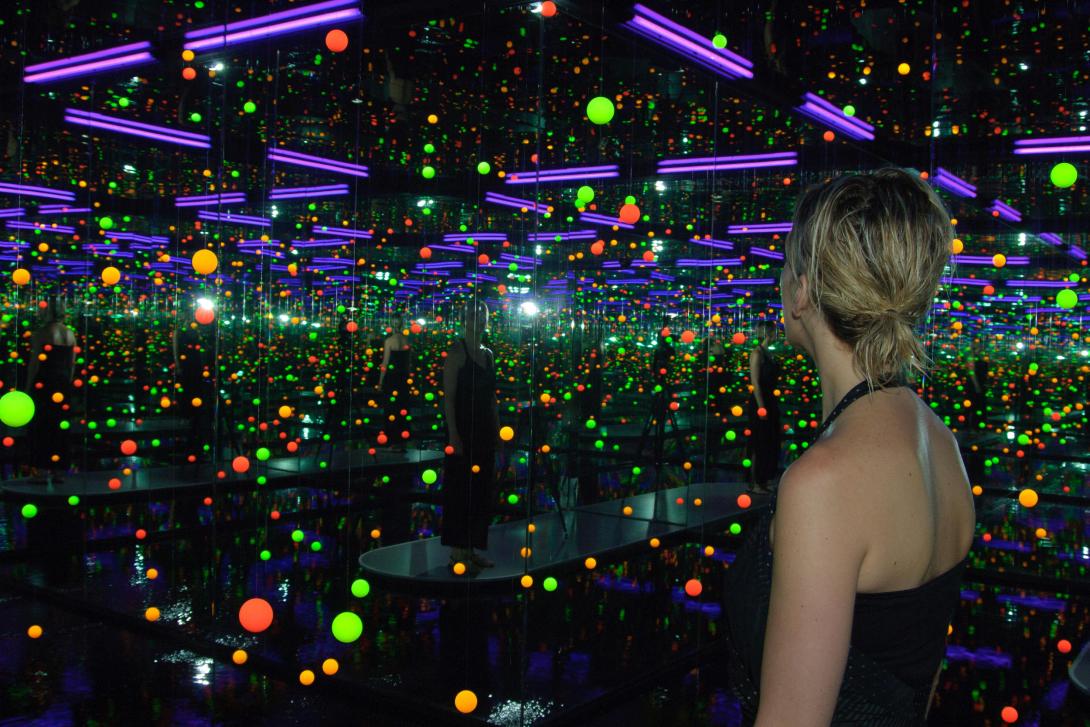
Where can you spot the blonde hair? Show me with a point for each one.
(873, 247)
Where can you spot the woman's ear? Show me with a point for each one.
(800, 302)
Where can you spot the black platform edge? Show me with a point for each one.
(469, 586)
(390, 702)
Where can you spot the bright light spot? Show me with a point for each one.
(204, 304)
(660, 186)
(529, 308)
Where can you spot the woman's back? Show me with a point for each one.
(915, 510)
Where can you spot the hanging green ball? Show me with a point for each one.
(483, 167)
(429, 148)
(265, 555)
(429, 477)
(73, 500)
(249, 107)
(719, 40)
(585, 194)
(360, 588)
(549, 584)
(262, 453)
(347, 627)
(297, 535)
(428, 171)
(16, 409)
(1067, 298)
(29, 510)
(106, 223)
(1063, 175)
(600, 110)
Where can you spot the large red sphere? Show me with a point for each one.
(256, 615)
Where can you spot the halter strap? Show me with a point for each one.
(859, 390)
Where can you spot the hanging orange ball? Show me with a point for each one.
(738, 338)
(598, 247)
(240, 464)
(630, 214)
(693, 588)
(425, 253)
(128, 448)
(548, 9)
(189, 73)
(336, 40)
(205, 316)
(255, 615)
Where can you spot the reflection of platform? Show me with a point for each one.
(596, 530)
(279, 472)
(1080, 671)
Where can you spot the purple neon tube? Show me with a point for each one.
(12, 212)
(683, 39)
(692, 35)
(268, 31)
(89, 57)
(569, 170)
(89, 68)
(954, 183)
(125, 123)
(837, 122)
(341, 232)
(28, 190)
(269, 19)
(1068, 149)
(239, 219)
(717, 244)
(818, 101)
(330, 165)
(563, 178)
(738, 158)
(728, 167)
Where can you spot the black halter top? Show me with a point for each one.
(898, 638)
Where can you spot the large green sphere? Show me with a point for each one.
(347, 627)
(360, 588)
(1067, 298)
(429, 476)
(585, 194)
(483, 168)
(16, 409)
(428, 172)
(1064, 174)
(600, 110)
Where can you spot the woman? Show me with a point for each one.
(394, 380)
(764, 410)
(842, 595)
(49, 378)
(470, 408)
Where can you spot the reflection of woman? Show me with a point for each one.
(192, 368)
(394, 382)
(470, 407)
(49, 378)
(764, 409)
(841, 596)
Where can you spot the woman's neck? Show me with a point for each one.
(836, 373)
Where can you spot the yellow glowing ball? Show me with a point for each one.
(284, 411)
(736, 410)
(34, 631)
(330, 667)
(590, 563)
(152, 574)
(188, 55)
(531, 528)
(709, 551)
(957, 246)
(1041, 533)
(239, 657)
(527, 580)
(904, 69)
(627, 510)
(205, 262)
(376, 534)
(525, 552)
(465, 701)
(655, 542)
(111, 276)
(507, 434)
(21, 276)
(306, 677)
(459, 569)
(999, 260)
(164, 402)
(978, 490)
(433, 119)
(1028, 497)
(152, 614)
